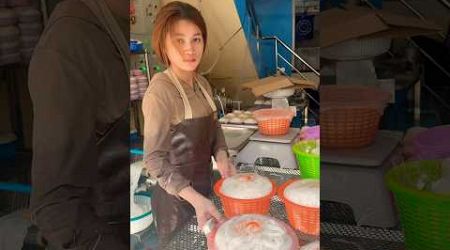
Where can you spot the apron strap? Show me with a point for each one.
(187, 105)
(207, 96)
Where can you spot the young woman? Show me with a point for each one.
(181, 129)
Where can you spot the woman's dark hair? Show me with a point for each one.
(167, 16)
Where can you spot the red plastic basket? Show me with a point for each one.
(233, 206)
(350, 115)
(273, 121)
(304, 219)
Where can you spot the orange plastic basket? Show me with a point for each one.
(304, 219)
(233, 206)
(348, 128)
(350, 115)
(273, 121)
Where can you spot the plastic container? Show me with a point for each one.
(233, 206)
(425, 216)
(308, 163)
(212, 235)
(350, 115)
(141, 221)
(433, 143)
(304, 219)
(273, 121)
(136, 46)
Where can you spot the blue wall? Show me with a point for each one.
(275, 18)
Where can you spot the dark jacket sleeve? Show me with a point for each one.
(64, 154)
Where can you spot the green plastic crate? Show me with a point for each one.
(308, 164)
(425, 216)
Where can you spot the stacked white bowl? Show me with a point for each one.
(142, 83)
(9, 37)
(134, 92)
(30, 25)
(138, 84)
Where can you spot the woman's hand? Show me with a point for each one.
(204, 208)
(224, 165)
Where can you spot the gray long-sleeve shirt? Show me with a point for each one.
(163, 109)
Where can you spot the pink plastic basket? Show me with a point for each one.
(433, 143)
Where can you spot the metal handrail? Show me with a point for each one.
(423, 52)
(292, 66)
(277, 40)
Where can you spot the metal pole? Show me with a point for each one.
(276, 54)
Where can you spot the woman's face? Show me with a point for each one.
(184, 45)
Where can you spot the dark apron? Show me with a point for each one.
(190, 151)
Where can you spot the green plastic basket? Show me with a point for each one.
(308, 164)
(425, 216)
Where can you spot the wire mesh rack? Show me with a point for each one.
(333, 236)
(191, 237)
(341, 236)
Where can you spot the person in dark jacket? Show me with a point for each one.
(79, 85)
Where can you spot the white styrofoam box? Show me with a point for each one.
(356, 49)
(7, 17)
(28, 14)
(9, 33)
